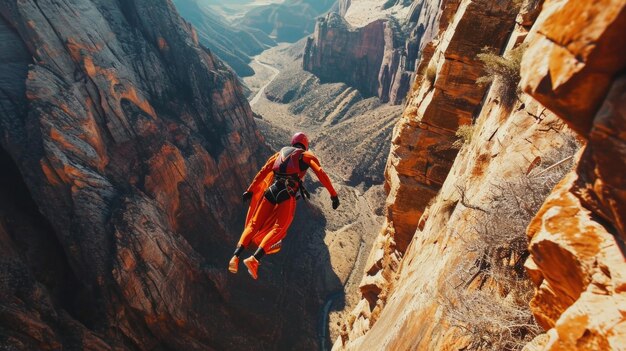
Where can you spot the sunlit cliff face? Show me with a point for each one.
(573, 261)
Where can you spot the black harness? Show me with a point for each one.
(287, 185)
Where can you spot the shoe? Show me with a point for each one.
(233, 265)
(253, 266)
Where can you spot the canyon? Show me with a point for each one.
(477, 147)
(133, 144)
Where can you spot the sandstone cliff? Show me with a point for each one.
(442, 275)
(134, 144)
(338, 52)
(575, 67)
(373, 48)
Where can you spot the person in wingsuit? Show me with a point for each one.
(273, 195)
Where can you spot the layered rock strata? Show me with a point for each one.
(378, 57)
(422, 150)
(574, 66)
(407, 298)
(135, 143)
(445, 98)
(338, 52)
(576, 241)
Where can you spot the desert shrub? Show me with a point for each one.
(431, 73)
(488, 296)
(493, 324)
(464, 135)
(503, 72)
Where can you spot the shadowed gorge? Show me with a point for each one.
(135, 143)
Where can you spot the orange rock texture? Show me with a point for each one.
(572, 76)
(575, 67)
(445, 98)
(134, 144)
(377, 56)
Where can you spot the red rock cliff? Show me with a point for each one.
(428, 283)
(575, 67)
(134, 143)
(338, 52)
(377, 58)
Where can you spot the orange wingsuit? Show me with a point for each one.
(266, 222)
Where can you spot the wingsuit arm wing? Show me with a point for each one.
(314, 163)
(260, 177)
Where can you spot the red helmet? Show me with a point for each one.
(300, 138)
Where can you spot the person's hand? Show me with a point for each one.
(246, 196)
(335, 201)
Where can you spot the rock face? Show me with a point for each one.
(577, 238)
(134, 143)
(422, 151)
(338, 52)
(573, 74)
(377, 57)
(421, 156)
(343, 6)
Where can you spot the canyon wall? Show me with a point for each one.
(427, 282)
(575, 67)
(130, 145)
(338, 52)
(447, 97)
(377, 51)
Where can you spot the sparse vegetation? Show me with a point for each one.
(497, 242)
(430, 73)
(464, 133)
(503, 71)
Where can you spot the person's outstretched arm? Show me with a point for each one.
(314, 163)
(265, 170)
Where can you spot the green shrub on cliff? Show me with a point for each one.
(503, 71)
(430, 73)
(464, 135)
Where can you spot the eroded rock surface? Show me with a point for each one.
(576, 256)
(135, 143)
(444, 98)
(577, 238)
(338, 52)
(371, 48)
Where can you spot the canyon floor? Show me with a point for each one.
(343, 139)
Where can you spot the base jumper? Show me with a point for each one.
(273, 194)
